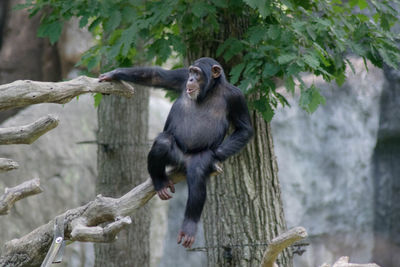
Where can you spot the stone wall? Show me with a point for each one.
(325, 167)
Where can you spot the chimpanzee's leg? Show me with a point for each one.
(199, 167)
(163, 152)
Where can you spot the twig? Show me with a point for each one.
(23, 93)
(27, 134)
(279, 243)
(7, 165)
(18, 192)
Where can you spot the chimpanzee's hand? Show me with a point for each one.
(216, 167)
(108, 76)
(163, 192)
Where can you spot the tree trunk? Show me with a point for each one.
(122, 152)
(244, 205)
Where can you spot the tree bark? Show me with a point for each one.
(244, 204)
(122, 154)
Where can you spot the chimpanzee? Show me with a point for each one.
(194, 133)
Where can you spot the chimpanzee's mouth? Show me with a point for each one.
(190, 90)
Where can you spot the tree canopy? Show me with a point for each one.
(281, 39)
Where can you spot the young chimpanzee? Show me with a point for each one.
(194, 133)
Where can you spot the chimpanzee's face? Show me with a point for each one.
(195, 82)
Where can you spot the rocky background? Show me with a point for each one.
(339, 168)
(325, 167)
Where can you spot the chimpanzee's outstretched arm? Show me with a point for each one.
(240, 118)
(150, 76)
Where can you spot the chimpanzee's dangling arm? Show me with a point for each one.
(240, 118)
(150, 76)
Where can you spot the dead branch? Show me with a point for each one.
(344, 262)
(18, 192)
(279, 243)
(85, 223)
(23, 93)
(27, 134)
(7, 165)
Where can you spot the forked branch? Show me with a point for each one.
(18, 192)
(85, 223)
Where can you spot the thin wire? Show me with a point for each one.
(225, 246)
(204, 249)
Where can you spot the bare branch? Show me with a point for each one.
(7, 165)
(82, 224)
(279, 243)
(344, 262)
(23, 93)
(83, 233)
(18, 192)
(27, 134)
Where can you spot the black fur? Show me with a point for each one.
(194, 135)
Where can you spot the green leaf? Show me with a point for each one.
(274, 32)
(236, 71)
(289, 84)
(97, 99)
(52, 30)
(362, 4)
(311, 98)
(353, 3)
(385, 23)
(200, 9)
(351, 66)
(311, 32)
(83, 21)
(256, 34)
(311, 61)
(93, 62)
(94, 24)
(263, 106)
(263, 6)
(128, 38)
(270, 70)
(113, 22)
(340, 78)
(220, 3)
(286, 58)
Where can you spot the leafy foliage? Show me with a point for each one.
(281, 38)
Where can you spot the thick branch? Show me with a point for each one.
(23, 93)
(82, 224)
(19, 192)
(27, 134)
(279, 243)
(344, 262)
(7, 165)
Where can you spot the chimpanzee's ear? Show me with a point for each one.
(216, 71)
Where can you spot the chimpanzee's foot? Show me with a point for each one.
(187, 233)
(163, 192)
